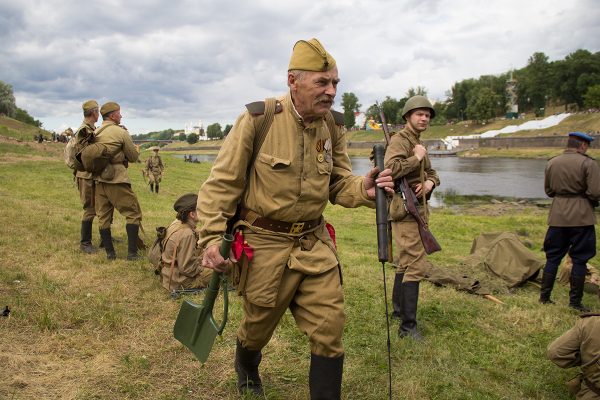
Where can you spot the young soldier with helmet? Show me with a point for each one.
(407, 157)
(572, 179)
(301, 164)
(113, 187)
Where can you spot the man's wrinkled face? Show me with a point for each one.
(313, 92)
(419, 119)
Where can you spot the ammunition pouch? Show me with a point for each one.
(397, 210)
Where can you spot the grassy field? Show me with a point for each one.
(85, 328)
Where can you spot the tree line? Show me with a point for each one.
(574, 82)
(8, 107)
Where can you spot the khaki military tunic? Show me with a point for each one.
(572, 180)
(298, 169)
(85, 180)
(580, 346)
(154, 168)
(182, 246)
(400, 158)
(113, 190)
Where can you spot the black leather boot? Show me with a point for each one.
(397, 297)
(156, 188)
(152, 187)
(107, 243)
(132, 240)
(410, 300)
(576, 293)
(85, 243)
(246, 365)
(547, 285)
(325, 377)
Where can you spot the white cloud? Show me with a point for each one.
(171, 62)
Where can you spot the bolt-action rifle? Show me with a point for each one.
(410, 203)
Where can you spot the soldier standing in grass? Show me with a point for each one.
(572, 179)
(301, 165)
(181, 259)
(580, 346)
(113, 187)
(85, 180)
(407, 157)
(154, 169)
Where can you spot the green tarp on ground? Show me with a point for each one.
(505, 256)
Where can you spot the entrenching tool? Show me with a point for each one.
(381, 215)
(195, 326)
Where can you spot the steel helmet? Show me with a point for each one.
(417, 102)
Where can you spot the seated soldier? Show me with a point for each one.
(580, 346)
(181, 258)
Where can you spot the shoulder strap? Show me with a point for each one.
(270, 105)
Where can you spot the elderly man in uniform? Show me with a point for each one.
(572, 179)
(113, 187)
(85, 180)
(154, 169)
(181, 262)
(407, 157)
(580, 346)
(301, 165)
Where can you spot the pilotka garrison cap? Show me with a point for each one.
(581, 136)
(186, 202)
(310, 56)
(109, 107)
(89, 105)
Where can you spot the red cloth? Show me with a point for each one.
(331, 231)
(240, 247)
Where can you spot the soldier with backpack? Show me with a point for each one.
(113, 187)
(180, 262)
(281, 163)
(84, 179)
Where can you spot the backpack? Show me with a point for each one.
(70, 152)
(155, 251)
(92, 156)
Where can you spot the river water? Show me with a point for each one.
(500, 177)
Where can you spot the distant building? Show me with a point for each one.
(360, 119)
(198, 129)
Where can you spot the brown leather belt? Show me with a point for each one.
(294, 228)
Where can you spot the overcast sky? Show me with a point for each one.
(168, 63)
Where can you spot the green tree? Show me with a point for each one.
(23, 116)
(227, 129)
(390, 107)
(350, 105)
(575, 74)
(192, 138)
(213, 131)
(419, 91)
(592, 97)
(182, 137)
(533, 82)
(482, 105)
(8, 106)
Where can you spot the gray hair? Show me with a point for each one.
(298, 74)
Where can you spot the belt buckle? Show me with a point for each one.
(297, 227)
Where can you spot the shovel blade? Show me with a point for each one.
(196, 329)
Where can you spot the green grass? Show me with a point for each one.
(82, 327)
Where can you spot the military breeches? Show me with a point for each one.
(154, 178)
(412, 259)
(578, 241)
(87, 196)
(120, 196)
(316, 303)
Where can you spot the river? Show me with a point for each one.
(501, 177)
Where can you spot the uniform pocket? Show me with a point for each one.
(274, 162)
(324, 167)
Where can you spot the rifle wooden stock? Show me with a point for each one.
(381, 209)
(410, 202)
